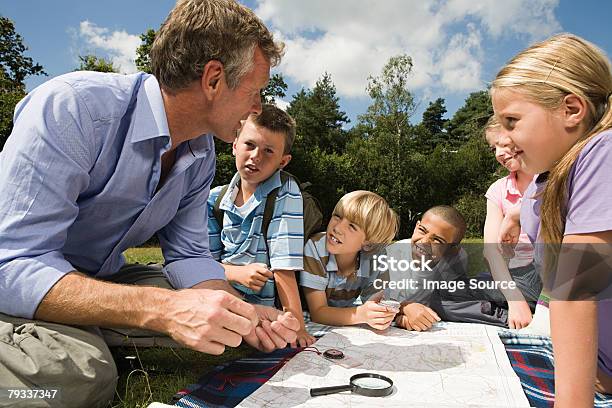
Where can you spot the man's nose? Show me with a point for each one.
(256, 108)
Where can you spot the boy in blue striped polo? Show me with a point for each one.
(255, 264)
(336, 268)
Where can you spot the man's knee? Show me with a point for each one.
(76, 362)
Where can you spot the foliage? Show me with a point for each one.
(143, 59)
(14, 65)
(392, 102)
(319, 118)
(472, 115)
(276, 88)
(92, 63)
(14, 68)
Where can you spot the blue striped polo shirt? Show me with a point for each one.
(321, 273)
(241, 241)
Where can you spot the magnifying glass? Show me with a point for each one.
(367, 384)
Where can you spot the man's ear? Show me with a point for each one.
(212, 78)
(284, 161)
(574, 110)
(234, 145)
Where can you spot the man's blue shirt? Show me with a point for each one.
(78, 181)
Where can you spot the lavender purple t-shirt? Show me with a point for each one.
(589, 210)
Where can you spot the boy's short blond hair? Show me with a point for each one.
(370, 212)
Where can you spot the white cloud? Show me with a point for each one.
(352, 39)
(282, 104)
(119, 45)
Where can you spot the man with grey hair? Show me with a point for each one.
(98, 163)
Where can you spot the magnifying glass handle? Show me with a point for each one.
(315, 392)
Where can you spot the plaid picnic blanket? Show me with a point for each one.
(228, 384)
(535, 368)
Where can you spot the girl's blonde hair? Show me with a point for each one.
(545, 73)
(370, 212)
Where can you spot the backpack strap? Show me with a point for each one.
(217, 211)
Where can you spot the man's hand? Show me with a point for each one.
(374, 314)
(276, 329)
(207, 320)
(519, 314)
(417, 317)
(254, 276)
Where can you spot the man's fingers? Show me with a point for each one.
(265, 341)
(210, 347)
(225, 337)
(242, 309)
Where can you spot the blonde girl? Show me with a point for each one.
(553, 103)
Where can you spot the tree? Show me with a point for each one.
(14, 68)
(14, 65)
(276, 88)
(143, 52)
(471, 116)
(392, 102)
(318, 117)
(93, 63)
(431, 131)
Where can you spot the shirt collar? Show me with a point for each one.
(362, 270)
(511, 185)
(261, 192)
(149, 114)
(265, 188)
(150, 119)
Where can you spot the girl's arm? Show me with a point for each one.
(375, 315)
(573, 326)
(574, 335)
(519, 313)
(290, 299)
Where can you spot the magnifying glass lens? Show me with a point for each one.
(371, 383)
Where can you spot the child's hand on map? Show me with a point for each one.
(417, 317)
(374, 314)
(304, 339)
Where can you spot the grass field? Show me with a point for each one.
(155, 374)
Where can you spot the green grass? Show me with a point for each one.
(158, 373)
(144, 255)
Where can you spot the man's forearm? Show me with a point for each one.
(81, 300)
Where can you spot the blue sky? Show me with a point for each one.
(457, 45)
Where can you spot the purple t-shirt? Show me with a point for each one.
(589, 210)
